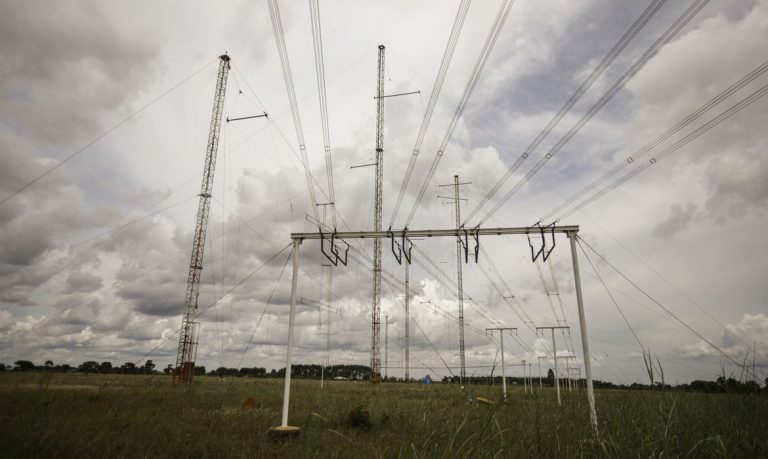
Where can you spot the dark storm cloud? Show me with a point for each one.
(79, 66)
(88, 64)
(163, 300)
(551, 70)
(66, 57)
(36, 222)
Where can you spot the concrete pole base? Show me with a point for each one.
(284, 432)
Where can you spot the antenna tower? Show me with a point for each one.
(187, 350)
(459, 277)
(376, 309)
(459, 280)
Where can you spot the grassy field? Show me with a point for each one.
(77, 415)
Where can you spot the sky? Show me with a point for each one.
(105, 110)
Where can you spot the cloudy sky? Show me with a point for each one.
(94, 255)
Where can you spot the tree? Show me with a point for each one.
(551, 377)
(149, 366)
(48, 364)
(89, 367)
(168, 369)
(128, 367)
(23, 365)
(105, 367)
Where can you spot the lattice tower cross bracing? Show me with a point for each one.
(459, 275)
(459, 281)
(378, 189)
(187, 350)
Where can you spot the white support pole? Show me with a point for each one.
(541, 386)
(557, 380)
(386, 345)
(503, 366)
(525, 383)
(503, 372)
(407, 325)
(530, 376)
(583, 331)
(294, 281)
(327, 312)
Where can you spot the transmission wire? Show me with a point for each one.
(277, 26)
(665, 309)
(105, 133)
(759, 93)
(528, 321)
(109, 232)
(437, 86)
(662, 137)
(213, 303)
(413, 319)
(679, 23)
(613, 300)
(493, 35)
(614, 52)
(317, 40)
(264, 310)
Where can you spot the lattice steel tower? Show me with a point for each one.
(459, 280)
(376, 309)
(187, 351)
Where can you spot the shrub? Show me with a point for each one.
(359, 417)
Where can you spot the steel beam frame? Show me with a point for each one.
(570, 231)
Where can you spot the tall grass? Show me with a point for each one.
(142, 416)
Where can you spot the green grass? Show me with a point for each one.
(75, 415)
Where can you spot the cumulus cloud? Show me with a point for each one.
(84, 282)
(101, 61)
(738, 184)
(70, 291)
(679, 218)
(736, 340)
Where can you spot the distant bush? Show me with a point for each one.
(360, 418)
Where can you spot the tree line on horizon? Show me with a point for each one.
(362, 373)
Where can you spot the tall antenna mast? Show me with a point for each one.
(376, 309)
(460, 282)
(187, 350)
(459, 277)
